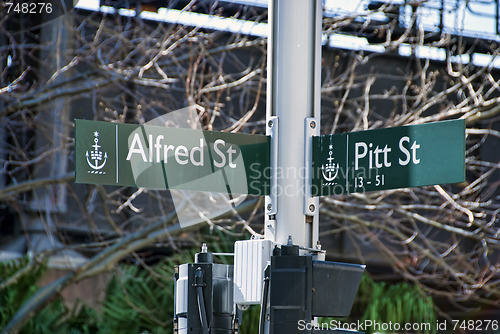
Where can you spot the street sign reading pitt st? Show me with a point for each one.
(399, 157)
(170, 158)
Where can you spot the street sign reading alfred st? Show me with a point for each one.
(399, 157)
(157, 157)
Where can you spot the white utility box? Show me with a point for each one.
(250, 259)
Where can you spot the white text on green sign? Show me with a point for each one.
(400, 157)
(170, 158)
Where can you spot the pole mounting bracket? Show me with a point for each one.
(272, 129)
(311, 129)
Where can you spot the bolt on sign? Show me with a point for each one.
(157, 157)
(399, 157)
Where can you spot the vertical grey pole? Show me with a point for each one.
(293, 114)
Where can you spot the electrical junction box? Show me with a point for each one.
(204, 297)
(250, 260)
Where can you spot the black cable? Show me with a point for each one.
(263, 306)
(201, 308)
(199, 284)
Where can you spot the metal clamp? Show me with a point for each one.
(272, 129)
(310, 203)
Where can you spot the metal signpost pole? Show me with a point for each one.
(293, 118)
(293, 114)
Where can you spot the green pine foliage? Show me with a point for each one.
(402, 303)
(139, 301)
(250, 320)
(81, 320)
(17, 290)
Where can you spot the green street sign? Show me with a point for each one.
(400, 157)
(170, 158)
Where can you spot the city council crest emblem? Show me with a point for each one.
(330, 170)
(96, 159)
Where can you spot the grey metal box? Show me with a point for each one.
(334, 287)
